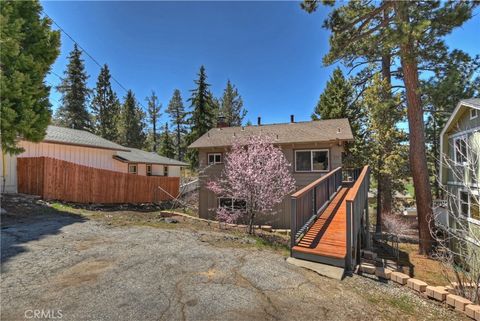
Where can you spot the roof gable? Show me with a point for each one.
(458, 111)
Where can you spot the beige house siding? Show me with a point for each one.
(281, 217)
(87, 156)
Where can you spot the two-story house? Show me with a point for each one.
(313, 148)
(460, 164)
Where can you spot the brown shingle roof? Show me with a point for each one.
(288, 133)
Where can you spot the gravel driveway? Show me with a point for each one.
(83, 269)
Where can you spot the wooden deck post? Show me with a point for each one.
(348, 256)
(293, 223)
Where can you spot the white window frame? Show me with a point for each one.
(455, 150)
(233, 201)
(149, 172)
(165, 170)
(473, 113)
(469, 214)
(214, 158)
(311, 160)
(133, 166)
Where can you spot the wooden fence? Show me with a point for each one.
(56, 179)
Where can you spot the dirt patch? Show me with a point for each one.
(83, 272)
(83, 245)
(425, 268)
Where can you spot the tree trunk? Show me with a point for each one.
(154, 135)
(384, 197)
(378, 225)
(250, 223)
(387, 200)
(418, 157)
(178, 143)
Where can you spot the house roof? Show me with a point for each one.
(464, 103)
(69, 136)
(454, 117)
(140, 156)
(287, 133)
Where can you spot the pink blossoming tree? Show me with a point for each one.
(257, 174)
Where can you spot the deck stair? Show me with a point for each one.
(338, 221)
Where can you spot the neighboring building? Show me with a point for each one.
(84, 148)
(460, 163)
(313, 148)
(140, 162)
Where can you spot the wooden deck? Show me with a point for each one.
(327, 236)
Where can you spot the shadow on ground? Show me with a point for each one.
(24, 219)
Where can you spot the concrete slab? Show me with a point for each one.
(329, 271)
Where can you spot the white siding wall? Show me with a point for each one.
(10, 174)
(93, 157)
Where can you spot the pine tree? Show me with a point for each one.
(454, 79)
(167, 147)
(73, 112)
(338, 101)
(105, 107)
(231, 106)
(365, 32)
(177, 113)
(132, 125)
(153, 111)
(28, 49)
(202, 114)
(386, 149)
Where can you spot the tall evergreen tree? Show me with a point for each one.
(412, 34)
(29, 47)
(167, 148)
(386, 149)
(202, 114)
(231, 106)
(105, 107)
(153, 111)
(455, 79)
(178, 116)
(132, 125)
(338, 101)
(73, 112)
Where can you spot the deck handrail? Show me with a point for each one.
(305, 189)
(357, 205)
(309, 201)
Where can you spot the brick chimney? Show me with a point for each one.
(221, 122)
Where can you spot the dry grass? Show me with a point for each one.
(427, 269)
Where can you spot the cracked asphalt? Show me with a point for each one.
(89, 270)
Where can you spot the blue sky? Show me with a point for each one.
(272, 51)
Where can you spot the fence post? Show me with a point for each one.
(293, 223)
(348, 257)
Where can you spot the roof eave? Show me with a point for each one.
(191, 146)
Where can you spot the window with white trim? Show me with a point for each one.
(315, 160)
(165, 170)
(460, 149)
(232, 203)
(149, 170)
(214, 158)
(473, 113)
(469, 205)
(132, 168)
